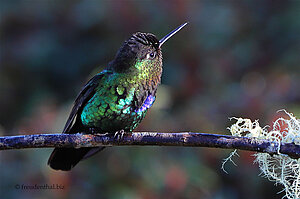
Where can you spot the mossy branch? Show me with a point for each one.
(189, 139)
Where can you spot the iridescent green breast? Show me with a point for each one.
(113, 106)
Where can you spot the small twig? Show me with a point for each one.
(148, 138)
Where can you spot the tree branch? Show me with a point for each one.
(149, 138)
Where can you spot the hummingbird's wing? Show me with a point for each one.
(83, 97)
(66, 158)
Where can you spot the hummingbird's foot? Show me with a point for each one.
(119, 135)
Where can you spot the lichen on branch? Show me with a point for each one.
(278, 167)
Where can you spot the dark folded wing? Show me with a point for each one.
(83, 97)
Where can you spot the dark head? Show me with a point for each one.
(141, 53)
(140, 47)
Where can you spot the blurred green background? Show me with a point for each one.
(235, 58)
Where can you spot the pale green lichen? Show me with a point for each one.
(279, 168)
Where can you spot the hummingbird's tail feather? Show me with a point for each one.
(66, 158)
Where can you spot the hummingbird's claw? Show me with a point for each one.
(119, 135)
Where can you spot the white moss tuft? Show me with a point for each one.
(278, 168)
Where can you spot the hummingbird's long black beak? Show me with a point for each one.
(168, 36)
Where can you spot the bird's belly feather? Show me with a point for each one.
(110, 112)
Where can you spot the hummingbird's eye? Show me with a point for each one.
(151, 55)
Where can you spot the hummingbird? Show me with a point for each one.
(116, 99)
